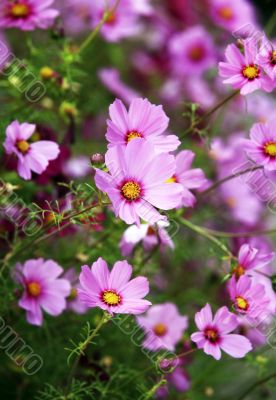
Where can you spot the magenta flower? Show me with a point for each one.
(122, 23)
(27, 15)
(42, 289)
(249, 299)
(214, 333)
(192, 51)
(267, 57)
(261, 147)
(164, 327)
(73, 301)
(242, 71)
(143, 120)
(136, 183)
(33, 156)
(113, 291)
(150, 236)
(187, 177)
(250, 258)
(232, 15)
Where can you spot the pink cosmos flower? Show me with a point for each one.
(150, 236)
(192, 51)
(73, 301)
(187, 177)
(111, 79)
(242, 71)
(164, 327)
(122, 23)
(136, 182)
(267, 57)
(143, 120)
(249, 299)
(250, 258)
(261, 147)
(214, 333)
(27, 15)
(31, 156)
(231, 15)
(42, 289)
(178, 378)
(113, 291)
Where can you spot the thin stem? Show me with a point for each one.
(240, 234)
(97, 29)
(105, 318)
(256, 384)
(207, 234)
(229, 178)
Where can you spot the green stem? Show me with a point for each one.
(255, 385)
(207, 234)
(97, 29)
(240, 234)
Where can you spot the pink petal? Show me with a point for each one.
(120, 274)
(235, 345)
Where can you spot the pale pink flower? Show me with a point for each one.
(214, 333)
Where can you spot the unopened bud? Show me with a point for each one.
(97, 159)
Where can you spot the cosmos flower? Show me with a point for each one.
(143, 120)
(122, 23)
(136, 182)
(150, 236)
(267, 57)
(42, 289)
(187, 177)
(31, 156)
(261, 147)
(113, 291)
(164, 327)
(231, 15)
(192, 52)
(250, 258)
(214, 333)
(242, 70)
(27, 15)
(249, 299)
(73, 301)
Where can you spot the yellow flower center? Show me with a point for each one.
(73, 294)
(160, 329)
(20, 10)
(47, 73)
(211, 335)
(132, 135)
(111, 298)
(34, 289)
(273, 57)
(251, 72)
(238, 271)
(173, 179)
(226, 13)
(270, 149)
(131, 190)
(23, 146)
(242, 303)
(196, 53)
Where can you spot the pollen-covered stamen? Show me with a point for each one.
(242, 303)
(19, 10)
(226, 13)
(132, 135)
(270, 149)
(151, 231)
(196, 53)
(73, 294)
(33, 289)
(211, 334)
(273, 57)
(173, 179)
(251, 72)
(238, 271)
(160, 329)
(111, 298)
(131, 190)
(23, 146)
